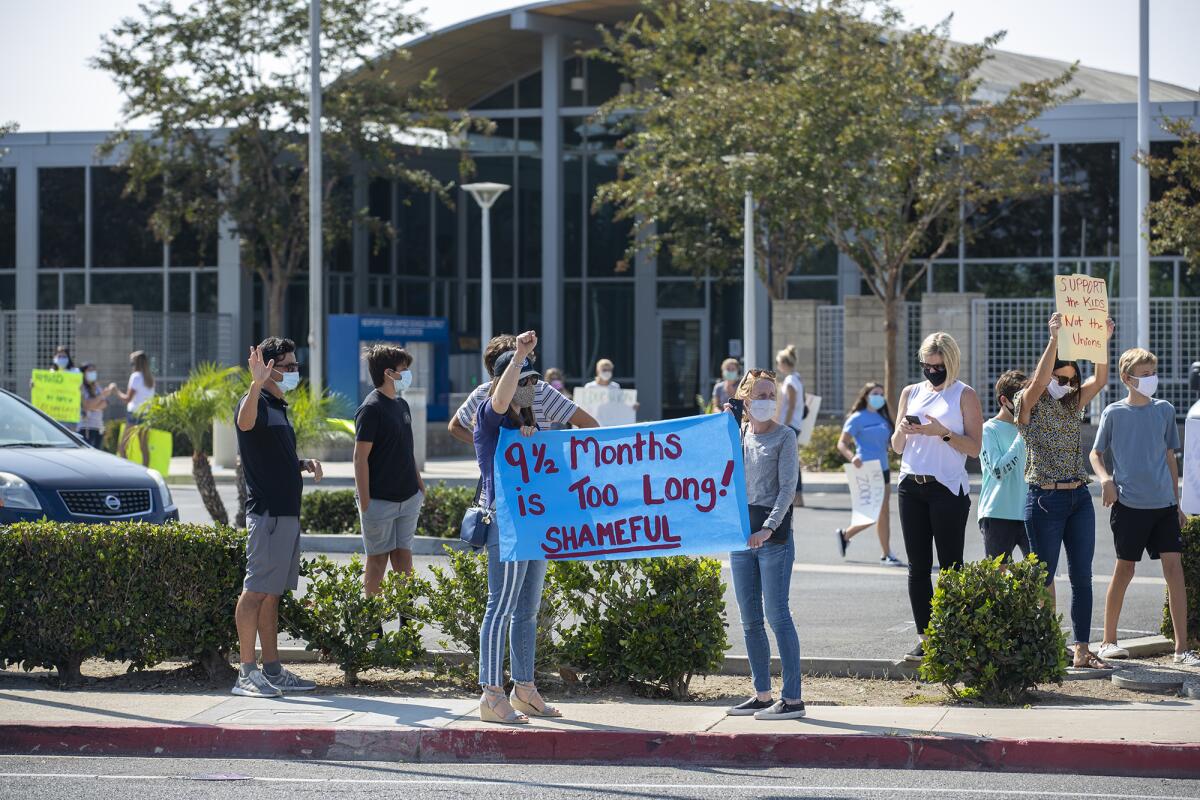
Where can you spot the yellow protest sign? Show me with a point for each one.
(1083, 303)
(56, 393)
(160, 449)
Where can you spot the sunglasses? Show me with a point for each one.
(1063, 380)
(932, 367)
(528, 380)
(293, 367)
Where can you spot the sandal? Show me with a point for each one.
(534, 706)
(488, 713)
(1090, 661)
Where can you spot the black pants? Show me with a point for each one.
(930, 514)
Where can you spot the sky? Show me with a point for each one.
(47, 84)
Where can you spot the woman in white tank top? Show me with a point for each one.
(939, 424)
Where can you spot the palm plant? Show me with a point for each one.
(206, 395)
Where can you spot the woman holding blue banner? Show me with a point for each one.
(762, 573)
(514, 588)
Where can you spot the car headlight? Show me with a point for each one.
(16, 493)
(163, 491)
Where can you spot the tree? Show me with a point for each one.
(875, 140)
(224, 85)
(1175, 217)
(207, 394)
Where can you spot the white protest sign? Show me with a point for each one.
(1190, 502)
(608, 405)
(866, 492)
(806, 427)
(1083, 303)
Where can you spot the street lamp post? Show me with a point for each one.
(1143, 176)
(316, 278)
(749, 273)
(486, 195)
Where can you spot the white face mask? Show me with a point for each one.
(1058, 392)
(1146, 386)
(604, 374)
(90, 376)
(404, 381)
(61, 362)
(762, 410)
(290, 381)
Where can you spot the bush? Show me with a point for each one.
(821, 453)
(658, 621)
(1191, 580)
(337, 620)
(336, 511)
(123, 592)
(994, 630)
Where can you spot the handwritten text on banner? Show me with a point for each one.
(655, 489)
(1083, 303)
(56, 393)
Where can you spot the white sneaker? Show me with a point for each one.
(1188, 658)
(1112, 650)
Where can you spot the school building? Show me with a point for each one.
(68, 238)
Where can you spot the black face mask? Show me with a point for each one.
(935, 376)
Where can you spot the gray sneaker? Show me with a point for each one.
(291, 682)
(1188, 658)
(255, 685)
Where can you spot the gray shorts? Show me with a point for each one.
(388, 526)
(272, 554)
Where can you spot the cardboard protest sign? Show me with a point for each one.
(1190, 502)
(608, 405)
(56, 393)
(656, 489)
(1083, 303)
(866, 492)
(160, 449)
(806, 427)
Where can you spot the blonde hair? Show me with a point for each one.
(746, 386)
(944, 345)
(731, 360)
(1135, 357)
(787, 356)
(602, 363)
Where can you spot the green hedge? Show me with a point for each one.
(821, 453)
(336, 511)
(1191, 579)
(123, 592)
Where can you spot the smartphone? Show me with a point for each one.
(912, 419)
(737, 406)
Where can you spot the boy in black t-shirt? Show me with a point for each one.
(389, 487)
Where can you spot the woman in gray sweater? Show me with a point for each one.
(762, 573)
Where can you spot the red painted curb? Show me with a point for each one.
(1132, 759)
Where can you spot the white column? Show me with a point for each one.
(749, 286)
(1143, 176)
(316, 277)
(551, 336)
(485, 295)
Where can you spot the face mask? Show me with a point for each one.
(523, 396)
(404, 381)
(1058, 392)
(761, 410)
(290, 381)
(558, 385)
(876, 401)
(1147, 386)
(935, 376)
(730, 374)
(604, 374)
(90, 376)
(61, 362)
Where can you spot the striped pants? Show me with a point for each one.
(514, 597)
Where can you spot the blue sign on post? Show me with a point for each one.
(348, 332)
(654, 489)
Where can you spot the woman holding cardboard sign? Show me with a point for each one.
(514, 588)
(941, 423)
(1058, 508)
(865, 436)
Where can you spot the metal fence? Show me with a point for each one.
(176, 342)
(829, 357)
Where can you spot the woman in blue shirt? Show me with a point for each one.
(868, 429)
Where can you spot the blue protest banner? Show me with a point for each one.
(655, 489)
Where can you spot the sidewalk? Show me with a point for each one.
(1135, 739)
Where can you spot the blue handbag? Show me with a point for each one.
(477, 523)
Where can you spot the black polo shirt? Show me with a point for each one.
(269, 461)
(387, 425)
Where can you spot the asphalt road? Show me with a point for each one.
(856, 607)
(101, 778)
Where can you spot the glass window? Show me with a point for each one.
(412, 298)
(504, 316)
(121, 234)
(529, 135)
(610, 327)
(573, 132)
(725, 325)
(573, 82)
(500, 140)
(143, 292)
(812, 290)
(1010, 280)
(60, 217)
(1089, 212)
(1161, 149)
(445, 252)
(603, 81)
(503, 219)
(206, 292)
(8, 291)
(1189, 281)
(529, 91)
(502, 98)
(529, 307)
(680, 294)
(1162, 279)
(1015, 228)
(413, 230)
(8, 218)
(945, 277)
(822, 262)
(73, 289)
(529, 217)
(195, 245)
(47, 291)
(179, 297)
(573, 331)
(573, 210)
(379, 206)
(607, 237)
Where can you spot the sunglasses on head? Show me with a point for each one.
(762, 373)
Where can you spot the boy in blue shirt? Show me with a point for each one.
(1002, 455)
(1143, 491)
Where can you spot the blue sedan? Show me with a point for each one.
(48, 471)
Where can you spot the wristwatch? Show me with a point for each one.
(946, 438)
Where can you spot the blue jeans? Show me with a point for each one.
(762, 579)
(1057, 518)
(514, 597)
